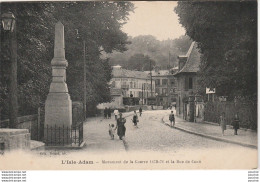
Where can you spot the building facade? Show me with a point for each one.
(130, 87)
(165, 87)
(187, 85)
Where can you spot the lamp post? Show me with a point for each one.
(156, 95)
(8, 23)
(147, 44)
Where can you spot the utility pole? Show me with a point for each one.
(142, 94)
(13, 105)
(151, 78)
(85, 84)
(169, 60)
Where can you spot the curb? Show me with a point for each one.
(212, 137)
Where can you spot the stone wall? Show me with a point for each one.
(12, 139)
(29, 122)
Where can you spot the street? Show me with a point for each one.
(153, 138)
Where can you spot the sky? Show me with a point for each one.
(155, 18)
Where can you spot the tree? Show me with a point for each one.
(226, 35)
(99, 23)
(140, 62)
(164, 53)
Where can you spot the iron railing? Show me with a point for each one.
(63, 135)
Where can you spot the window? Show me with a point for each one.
(164, 82)
(190, 83)
(131, 84)
(172, 81)
(164, 91)
(186, 85)
(157, 82)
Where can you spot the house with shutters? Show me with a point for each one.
(187, 81)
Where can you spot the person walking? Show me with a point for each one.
(140, 111)
(109, 113)
(235, 124)
(116, 112)
(105, 113)
(222, 123)
(172, 119)
(135, 118)
(120, 125)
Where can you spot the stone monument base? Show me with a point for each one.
(12, 139)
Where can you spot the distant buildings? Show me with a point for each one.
(165, 86)
(174, 87)
(130, 87)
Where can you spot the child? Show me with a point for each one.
(111, 131)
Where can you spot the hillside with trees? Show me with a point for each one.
(163, 53)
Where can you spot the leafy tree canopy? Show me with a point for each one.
(98, 23)
(226, 33)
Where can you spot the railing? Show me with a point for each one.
(63, 136)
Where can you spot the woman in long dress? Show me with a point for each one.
(121, 126)
(135, 119)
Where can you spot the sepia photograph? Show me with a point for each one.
(128, 85)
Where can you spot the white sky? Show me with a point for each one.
(155, 18)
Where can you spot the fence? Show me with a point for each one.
(63, 136)
(35, 123)
(247, 113)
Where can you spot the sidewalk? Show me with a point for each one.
(97, 138)
(244, 138)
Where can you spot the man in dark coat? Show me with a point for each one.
(235, 124)
(109, 113)
(140, 111)
(105, 113)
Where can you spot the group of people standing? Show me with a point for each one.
(107, 113)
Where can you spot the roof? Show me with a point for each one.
(158, 73)
(120, 72)
(193, 60)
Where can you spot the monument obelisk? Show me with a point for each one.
(58, 107)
